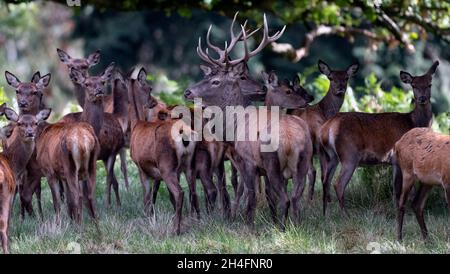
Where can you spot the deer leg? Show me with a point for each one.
(4, 217)
(210, 189)
(407, 183)
(234, 178)
(144, 178)
(33, 185)
(237, 198)
(123, 166)
(193, 197)
(112, 181)
(38, 197)
(54, 188)
(299, 185)
(312, 180)
(171, 180)
(345, 174)
(271, 199)
(331, 165)
(249, 179)
(223, 189)
(418, 205)
(89, 192)
(397, 173)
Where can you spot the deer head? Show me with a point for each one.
(284, 94)
(421, 84)
(225, 79)
(338, 78)
(94, 86)
(29, 95)
(80, 64)
(27, 124)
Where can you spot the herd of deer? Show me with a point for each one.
(66, 152)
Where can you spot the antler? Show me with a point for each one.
(223, 59)
(265, 41)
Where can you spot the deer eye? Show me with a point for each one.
(216, 82)
(243, 77)
(288, 91)
(17, 91)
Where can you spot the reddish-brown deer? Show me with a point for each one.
(30, 101)
(327, 108)
(67, 152)
(157, 154)
(422, 155)
(106, 127)
(222, 90)
(13, 162)
(115, 103)
(356, 138)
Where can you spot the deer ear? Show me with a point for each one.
(35, 78)
(324, 68)
(433, 68)
(352, 70)
(406, 77)
(2, 109)
(44, 81)
(12, 79)
(63, 56)
(273, 78)
(6, 131)
(94, 58)
(142, 76)
(239, 69)
(206, 70)
(107, 74)
(76, 76)
(296, 81)
(43, 114)
(11, 115)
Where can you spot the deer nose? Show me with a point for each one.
(187, 94)
(422, 99)
(23, 104)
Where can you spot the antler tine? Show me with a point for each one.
(219, 51)
(246, 56)
(204, 56)
(266, 38)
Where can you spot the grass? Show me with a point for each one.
(370, 227)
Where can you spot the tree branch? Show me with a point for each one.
(297, 54)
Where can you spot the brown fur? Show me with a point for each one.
(7, 189)
(67, 152)
(355, 138)
(422, 155)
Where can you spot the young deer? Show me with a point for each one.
(327, 108)
(106, 127)
(356, 138)
(13, 162)
(67, 152)
(29, 97)
(157, 154)
(222, 89)
(115, 103)
(422, 155)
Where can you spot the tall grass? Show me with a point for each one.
(369, 228)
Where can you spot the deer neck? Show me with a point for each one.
(421, 115)
(93, 114)
(79, 94)
(19, 153)
(331, 104)
(133, 109)
(120, 100)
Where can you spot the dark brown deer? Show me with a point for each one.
(157, 154)
(115, 103)
(106, 127)
(13, 162)
(67, 152)
(422, 155)
(223, 90)
(30, 101)
(327, 108)
(356, 138)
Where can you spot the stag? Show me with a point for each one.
(222, 89)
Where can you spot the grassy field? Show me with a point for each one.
(370, 227)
